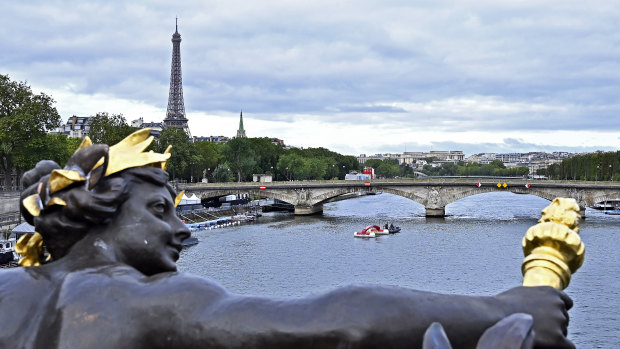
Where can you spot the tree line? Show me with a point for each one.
(599, 166)
(240, 158)
(494, 169)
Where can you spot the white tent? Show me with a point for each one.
(193, 199)
(184, 200)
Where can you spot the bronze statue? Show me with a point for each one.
(109, 226)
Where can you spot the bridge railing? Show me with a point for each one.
(453, 179)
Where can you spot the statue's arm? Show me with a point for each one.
(179, 310)
(368, 316)
(374, 316)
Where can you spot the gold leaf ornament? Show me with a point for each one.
(31, 247)
(178, 199)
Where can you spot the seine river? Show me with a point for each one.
(475, 250)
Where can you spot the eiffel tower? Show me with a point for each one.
(175, 115)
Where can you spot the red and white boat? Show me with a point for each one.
(370, 231)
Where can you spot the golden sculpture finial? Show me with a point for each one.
(553, 250)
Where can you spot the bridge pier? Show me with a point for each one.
(308, 210)
(435, 212)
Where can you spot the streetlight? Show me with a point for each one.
(596, 174)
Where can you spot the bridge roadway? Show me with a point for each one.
(434, 194)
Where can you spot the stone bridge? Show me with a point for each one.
(434, 194)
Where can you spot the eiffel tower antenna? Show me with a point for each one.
(175, 114)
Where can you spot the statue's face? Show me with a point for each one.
(146, 232)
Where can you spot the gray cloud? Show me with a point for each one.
(435, 67)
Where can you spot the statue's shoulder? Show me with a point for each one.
(123, 283)
(121, 307)
(15, 281)
(25, 295)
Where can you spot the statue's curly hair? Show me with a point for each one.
(61, 226)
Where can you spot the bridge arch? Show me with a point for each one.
(208, 194)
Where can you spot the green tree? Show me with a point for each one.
(347, 163)
(58, 148)
(239, 155)
(291, 166)
(448, 169)
(387, 169)
(179, 165)
(24, 119)
(222, 174)
(594, 166)
(104, 128)
(374, 163)
(406, 171)
(266, 154)
(331, 168)
(208, 156)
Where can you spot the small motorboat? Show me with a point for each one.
(370, 231)
(394, 230)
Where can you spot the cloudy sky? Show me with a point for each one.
(355, 77)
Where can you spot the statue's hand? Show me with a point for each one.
(548, 306)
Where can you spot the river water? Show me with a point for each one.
(475, 250)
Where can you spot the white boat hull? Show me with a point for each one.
(369, 235)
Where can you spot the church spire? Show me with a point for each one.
(241, 130)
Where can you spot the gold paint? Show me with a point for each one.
(130, 153)
(33, 204)
(178, 199)
(56, 201)
(86, 142)
(31, 247)
(168, 151)
(60, 179)
(553, 250)
(563, 211)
